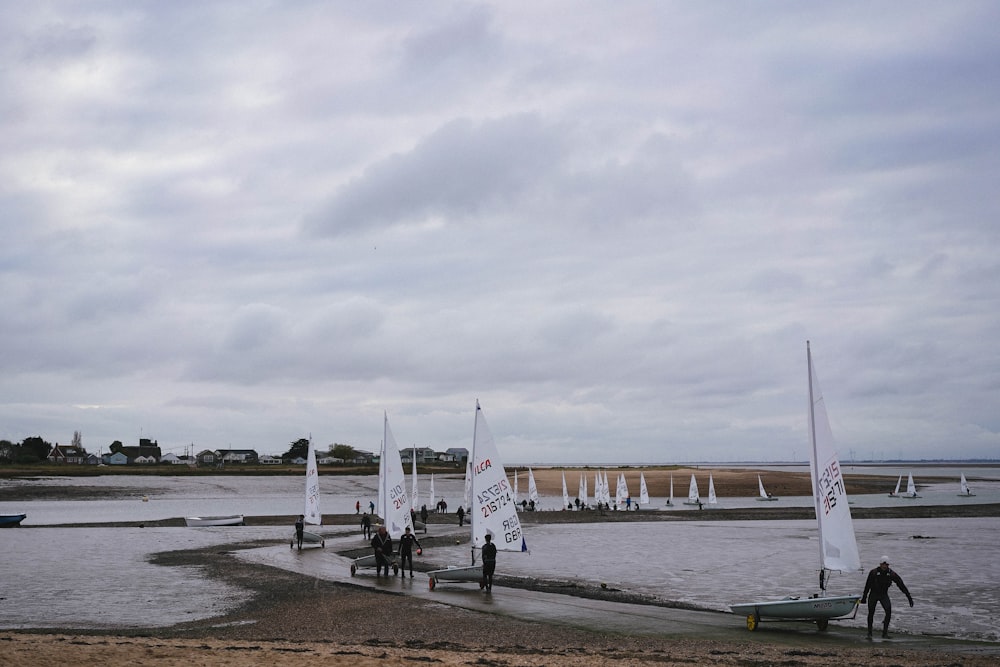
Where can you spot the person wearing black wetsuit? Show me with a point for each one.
(489, 562)
(406, 543)
(877, 585)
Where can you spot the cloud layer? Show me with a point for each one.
(616, 226)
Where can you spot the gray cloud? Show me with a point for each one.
(615, 227)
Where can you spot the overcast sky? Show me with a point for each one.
(615, 224)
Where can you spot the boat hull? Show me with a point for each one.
(11, 520)
(232, 520)
(468, 573)
(369, 562)
(801, 609)
(764, 500)
(309, 538)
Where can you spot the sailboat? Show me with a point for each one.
(515, 487)
(621, 491)
(430, 493)
(895, 493)
(694, 498)
(493, 511)
(838, 548)
(966, 492)
(393, 504)
(712, 499)
(566, 503)
(911, 488)
(311, 514)
(532, 491)
(643, 491)
(764, 495)
(582, 493)
(670, 498)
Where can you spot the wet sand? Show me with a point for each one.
(297, 620)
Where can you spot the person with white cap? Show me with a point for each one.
(878, 583)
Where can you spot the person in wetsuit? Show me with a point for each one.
(406, 543)
(877, 591)
(489, 562)
(299, 529)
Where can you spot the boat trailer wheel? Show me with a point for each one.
(822, 624)
(753, 620)
(431, 583)
(354, 568)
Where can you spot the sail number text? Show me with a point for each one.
(831, 486)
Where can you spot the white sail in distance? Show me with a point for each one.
(311, 512)
(643, 490)
(413, 493)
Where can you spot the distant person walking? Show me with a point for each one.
(461, 515)
(300, 527)
(357, 507)
(877, 585)
(423, 515)
(382, 544)
(371, 507)
(366, 526)
(406, 543)
(489, 562)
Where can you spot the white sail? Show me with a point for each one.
(643, 491)
(494, 512)
(394, 504)
(838, 546)
(430, 493)
(413, 493)
(311, 513)
(566, 503)
(515, 487)
(582, 492)
(899, 482)
(606, 488)
(467, 499)
(670, 500)
(693, 495)
(625, 494)
(532, 489)
(598, 498)
(964, 489)
(619, 491)
(760, 486)
(911, 488)
(711, 490)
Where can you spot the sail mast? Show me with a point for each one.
(814, 459)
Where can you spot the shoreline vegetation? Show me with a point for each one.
(294, 619)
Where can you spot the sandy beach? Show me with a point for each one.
(296, 620)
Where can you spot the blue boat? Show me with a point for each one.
(11, 520)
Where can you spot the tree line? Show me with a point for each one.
(35, 449)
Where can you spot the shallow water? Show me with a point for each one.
(101, 577)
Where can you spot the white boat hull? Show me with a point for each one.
(369, 562)
(819, 609)
(473, 573)
(309, 538)
(233, 520)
